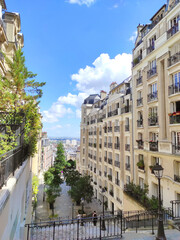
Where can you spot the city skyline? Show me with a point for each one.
(74, 63)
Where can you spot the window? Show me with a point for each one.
(152, 64)
(141, 183)
(141, 157)
(127, 179)
(83, 140)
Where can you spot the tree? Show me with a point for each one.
(60, 160)
(82, 189)
(52, 181)
(19, 93)
(71, 176)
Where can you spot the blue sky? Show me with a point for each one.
(78, 47)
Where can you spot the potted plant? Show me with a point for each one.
(151, 168)
(140, 164)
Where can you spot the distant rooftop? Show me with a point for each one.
(92, 99)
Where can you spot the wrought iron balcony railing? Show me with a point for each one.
(152, 96)
(140, 123)
(127, 147)
(174, 59)
(174, 88)
(176, 148)
(117, 164)
(174, 119)
(116, 128)
(117, 146)
(150, 49)
(153, 121)
(139, 102)
(110, 160)
(128, 166)
(153, 146)
(140, 143)
(151, 72)
(172, 30)
(138, 80)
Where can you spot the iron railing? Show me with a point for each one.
(11, 161)
(174, 88)
(174, 59)
(172, 30)
(76, 229)
(151, 72)
(176, 148)
(139, 80)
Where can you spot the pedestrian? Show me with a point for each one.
(94, 218)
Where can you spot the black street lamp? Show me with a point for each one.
(158, 171)
(82, 202)
(103, 227)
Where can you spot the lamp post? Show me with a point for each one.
(103, 227)
(82, 202)
(158, 171)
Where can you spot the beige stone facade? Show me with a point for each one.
(139, 119)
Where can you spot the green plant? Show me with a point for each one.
(140, 164)
(35, 184)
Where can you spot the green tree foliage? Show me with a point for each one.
(35, 184)
(82, 189)
(19, 92)
(71, 176)
(52, 177)
(139, 194)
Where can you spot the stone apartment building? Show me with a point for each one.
(47, 153)
(138, 121)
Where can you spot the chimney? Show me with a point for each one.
(103, 94)
(113, 85)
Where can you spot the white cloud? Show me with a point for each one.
(55, 112)
(104, 71)
(74, 100)
(115, 6)
(89, 80)
(81, 2)
(133, 37)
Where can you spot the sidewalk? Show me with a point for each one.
(63, 206)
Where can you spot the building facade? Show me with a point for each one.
(136, 125)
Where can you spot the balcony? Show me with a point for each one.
(94, 145)
(153, 146)
(93, 121)
(117, 182)
(109, 129)
(177, 178)
(126, 109)
(116, 128)
(105, 129)
(151, 72)
(174, 88)
(100, 160)
(105, 144)
(117, 164)
(104, 116)
(150, 49)
(90, 133)
(172, 31)
(100, 132)
(10, 161)
(113, 113)
(105, 159)
(95, 133)
(94, 157)
(127, 128)
(100, 120)
(140, 143)
(174, 59)
(127, 166)
(176, 149)
(174, 118)
(110, 160)
(152, 96)
(153, 121)
(117, 146)
(109, 145)
(100, 145)
(128, 91)
(111, 193)
(137, 60)
(94, 170)
(105, 174)
(127, 147)
(140, 123)
(110, 177)
(100, 173)
(138, 80)
(139, 102)
(90, 144)
(141, 165)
